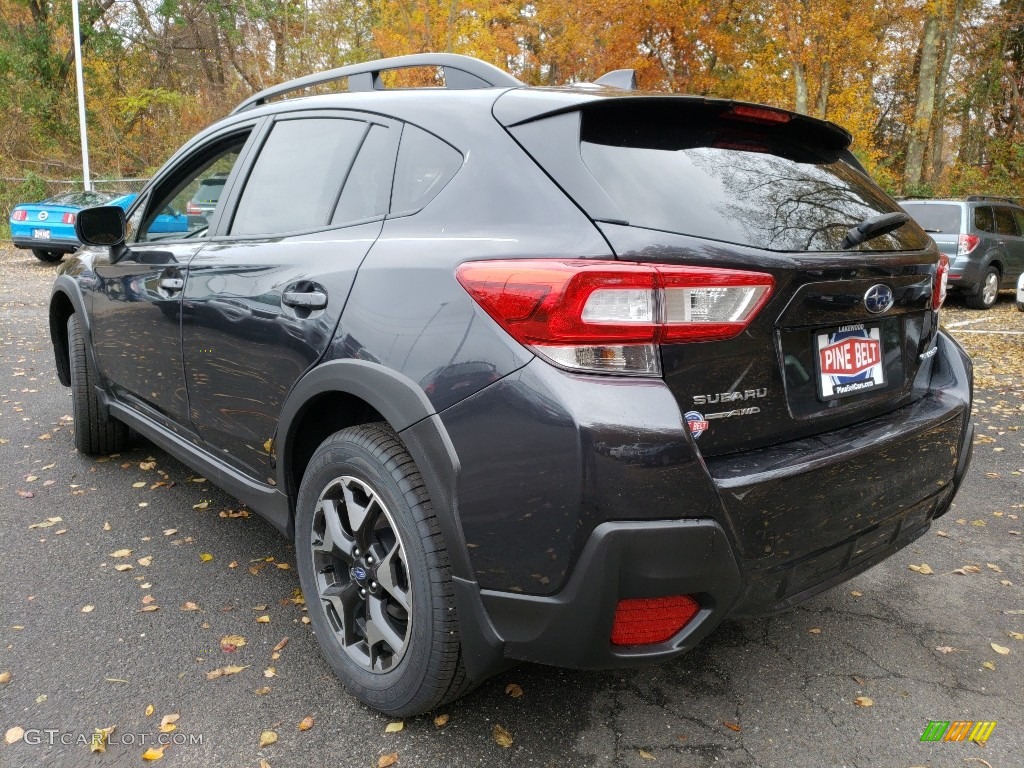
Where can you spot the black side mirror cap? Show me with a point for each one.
(102, 225)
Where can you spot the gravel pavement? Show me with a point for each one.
(82, 651)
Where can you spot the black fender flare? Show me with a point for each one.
(406, 408)
(70, 290)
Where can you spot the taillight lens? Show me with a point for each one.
(192, 209)
(941, 280)
(19, 215)
(610, 316)
(645, 621)
(966, 244)
(68, 218)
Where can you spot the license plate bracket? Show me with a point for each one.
(849, 360)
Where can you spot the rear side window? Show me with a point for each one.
(366, 191)
(936, 217)
(697, 173)
(1005, 225)
(425, 165)
(1018, 214)
(295, 181)
(983, 219)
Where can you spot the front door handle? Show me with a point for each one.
(172, 284)
(304, 299)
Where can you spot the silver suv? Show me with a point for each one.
(983, 238)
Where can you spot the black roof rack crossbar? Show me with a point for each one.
(460, 73)
(991, 199)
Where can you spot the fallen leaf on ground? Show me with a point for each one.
(644, 754)
(145, 560)
(306, 723)
(264, 763)
(154, 753)
(386, 761)
(146, 466)
(14, 734)
(106, 526)
(732, 726)
(206, 557)
(924, 569)
(280, 646)
(26, 495)
(864, 701)
(855, 593)
(122, 567)
(394, 727)
(513, 690)
(262, 691)
(270, 672)
(138, 485)
(121, 553)
(945, 648)
(441, 721)
(1014, 635)
(148, 599)
(88, 608)
(170, 531)
(201, 505)
(5, 677)
(149, 608)
(231, 643)
(149, 710)
(263, 619)
(993, 567)
(1002, 650)
(189, 606)
(815, 630)
(47, 522)
(167, 724)
(98, 742)
(989, 665)
(967, 569)
(267, 738)
(943, 534)
(231, 669)
(502, 737)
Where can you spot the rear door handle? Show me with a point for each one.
(304, 299)
(172, 284)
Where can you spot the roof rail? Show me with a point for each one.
(990, 199)
(460, 73)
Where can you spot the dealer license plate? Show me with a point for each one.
(850, 360)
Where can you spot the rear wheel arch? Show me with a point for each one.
(61, 308)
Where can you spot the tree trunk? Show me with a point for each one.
(824, 89)
(939, 120)
(800, 84)
(925, 105)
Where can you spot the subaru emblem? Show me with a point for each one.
(359, 573)
(878, 299)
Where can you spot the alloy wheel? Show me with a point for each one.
(362, 576)
(991, 288)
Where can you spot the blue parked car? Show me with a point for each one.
(48, 227)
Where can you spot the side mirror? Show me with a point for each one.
(102, 225)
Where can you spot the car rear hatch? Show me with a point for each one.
(698, 182)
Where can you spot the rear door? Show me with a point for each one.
(263, 299)
(942, 221)
(1011, 241)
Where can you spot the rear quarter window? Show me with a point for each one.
(983, 220)
(425, 166)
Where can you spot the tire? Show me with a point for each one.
(50, 257)
(96, 431)
(988, 291)
(364, 481)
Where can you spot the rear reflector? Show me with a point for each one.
(941, 281)
(68, 218)
(652, 620)
(19, 216)
(610, 316)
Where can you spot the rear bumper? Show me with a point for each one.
(752, 533)
(53, 244)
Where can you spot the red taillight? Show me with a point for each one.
(68, 218)
(966, 244)
(652, 620)
(941, 280)
(751, 114)
(608, 316)
(19, 215)
(192, 209)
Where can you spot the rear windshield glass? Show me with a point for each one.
(938, 219)
(734, 181)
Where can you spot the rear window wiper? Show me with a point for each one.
(874, 226)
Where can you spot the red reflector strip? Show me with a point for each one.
(643, 621)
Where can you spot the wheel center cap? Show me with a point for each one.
(361, 573)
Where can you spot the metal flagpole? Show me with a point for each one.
(81, 97)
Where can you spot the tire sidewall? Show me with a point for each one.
(396, 689)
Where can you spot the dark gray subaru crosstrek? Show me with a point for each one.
(564, 375)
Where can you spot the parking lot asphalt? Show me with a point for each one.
(850, 678)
